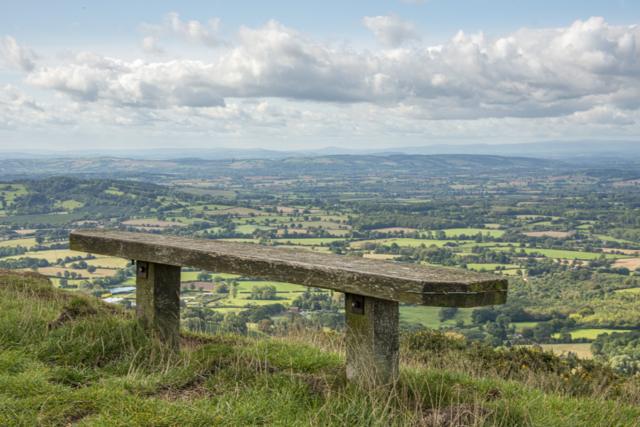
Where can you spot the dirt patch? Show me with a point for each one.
(380, 256)
(25, 232)
(630, 263)
(194, 390)
(456, 416)
(77, 308)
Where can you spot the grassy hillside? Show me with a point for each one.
(72, 360)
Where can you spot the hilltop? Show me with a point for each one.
(344, 165)
(70, 359)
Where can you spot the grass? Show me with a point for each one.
(631, 291)
(523, 325)
(429, 316)
(564, 254)
(99, 368)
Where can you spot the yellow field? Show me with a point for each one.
(582, 350)
(379, 256)
(50, 255)
(108, 262)
(26, 242)
(53, 272)
(630, 263)
(555, 234)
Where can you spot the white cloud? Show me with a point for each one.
(390, 30)
(150, 45)
(191, 31)
(194, 31)
(580, 78)
(15, 55)
(530, 73)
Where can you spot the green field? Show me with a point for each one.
(191, 276)
(490, 267)
(524, 325)
(247, 285)
(606, 238)
(50, 219)
(564, 254)
(630, 291)
(401, 241)
(470, 232)
(428, 316)
(592, 334)
(308, 241)
(69, 205)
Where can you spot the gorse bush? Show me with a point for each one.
(567, 374)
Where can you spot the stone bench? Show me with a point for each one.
(373, 289)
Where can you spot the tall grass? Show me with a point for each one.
(68, 359)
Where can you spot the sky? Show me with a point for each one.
(305, 75)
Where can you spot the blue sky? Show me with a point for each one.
(112, 22)
(291, 74)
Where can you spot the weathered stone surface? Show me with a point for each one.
(372, 341)
(158, 300)
(407, 283)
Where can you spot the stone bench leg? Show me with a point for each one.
(158, 300)
(372, 341)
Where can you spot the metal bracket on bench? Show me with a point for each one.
(142, 270)
(357, 304)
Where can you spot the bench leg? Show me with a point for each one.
(158, 300)
(371, 340)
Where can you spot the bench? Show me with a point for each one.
(373, 289)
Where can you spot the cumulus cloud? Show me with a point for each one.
(192, 31)
(15, 55)
(390, 31)
(529, 73)
(150, 45)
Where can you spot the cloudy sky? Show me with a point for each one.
(295, 75)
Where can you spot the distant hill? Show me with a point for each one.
(576, 151)
(395, 164)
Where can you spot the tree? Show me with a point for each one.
(234, 324)
(204, 277)
(266, 292)
(447, 313)
(234, 289)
